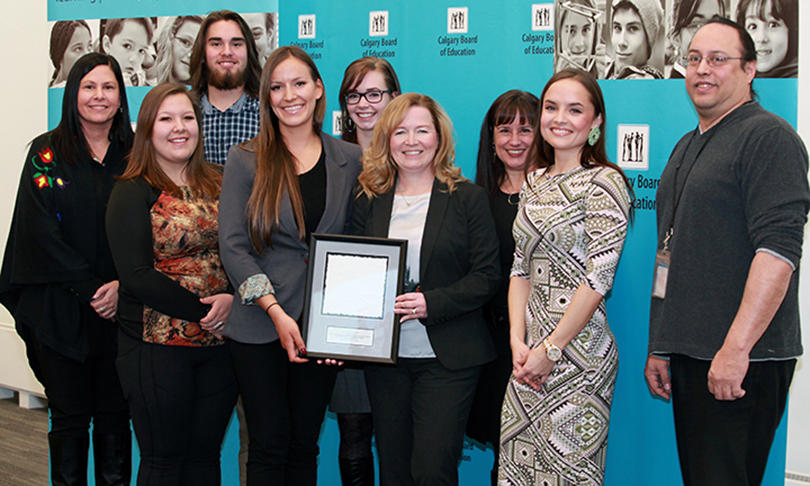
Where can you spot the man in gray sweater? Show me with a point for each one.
(724, 318)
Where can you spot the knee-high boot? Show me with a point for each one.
(357, 472)
(112, 455)
(68, 458)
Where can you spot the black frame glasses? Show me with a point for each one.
(373, 96)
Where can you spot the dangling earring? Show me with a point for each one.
(593, 135)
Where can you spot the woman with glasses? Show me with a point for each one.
(175, 41)
(369, 84)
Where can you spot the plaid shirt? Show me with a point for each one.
(223, 129)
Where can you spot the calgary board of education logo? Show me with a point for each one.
(457, 20)
(633, 147)
(306, 26)
(542, 16)
(378, 23)
(337, 123)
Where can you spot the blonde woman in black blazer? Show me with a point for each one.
(410, 189)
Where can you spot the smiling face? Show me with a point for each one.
(567, 117)
(174, 132)
(99, 97)
(716, 90)
(629, 39)
(182, 42)
(293, 93)
(577, 34)
(770, 36)
(128, 47)
(80, 44)
(225, 55)
(365, 114)
(512, 142)
(414, 141)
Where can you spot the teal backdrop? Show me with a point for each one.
(465, 73)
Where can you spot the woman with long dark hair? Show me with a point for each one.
(507, 134)
(569, 232)
(58, 278)
(289, 181)
(162, 227)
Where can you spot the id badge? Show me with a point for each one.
(659, 289)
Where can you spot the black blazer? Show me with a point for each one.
(458, 267)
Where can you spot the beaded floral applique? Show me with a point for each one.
(44, 163)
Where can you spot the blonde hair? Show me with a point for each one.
(379, 168)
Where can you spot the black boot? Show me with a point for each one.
(112, 455)
(68, 459)
(357, 472)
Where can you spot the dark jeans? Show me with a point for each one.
(284, 407)
(181, 400)
(420, 410)
(727, 442)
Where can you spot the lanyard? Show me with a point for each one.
(676, 194)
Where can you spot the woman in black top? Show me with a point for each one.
(58, 279)
(506, 138)
(162, 226)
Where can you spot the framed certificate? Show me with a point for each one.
(352, 282)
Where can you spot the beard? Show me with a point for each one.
(226, 80)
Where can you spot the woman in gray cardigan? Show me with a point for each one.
(289, 181)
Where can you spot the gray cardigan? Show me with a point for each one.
(285, 263)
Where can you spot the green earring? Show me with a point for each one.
(593, 136)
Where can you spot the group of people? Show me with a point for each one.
(646, 42)
(148, 281)
(149, 50)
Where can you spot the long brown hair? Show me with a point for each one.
(204, 180)
(379, 168)
(275, 165)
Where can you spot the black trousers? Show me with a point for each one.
(727, 442)
(420, 410)
(181, 399)
(284, 407)
(81, 391)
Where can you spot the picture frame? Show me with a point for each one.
(352, 283)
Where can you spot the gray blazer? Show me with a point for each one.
(285, 263)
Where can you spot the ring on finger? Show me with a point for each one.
(413, 311)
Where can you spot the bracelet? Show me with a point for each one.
(269, 306)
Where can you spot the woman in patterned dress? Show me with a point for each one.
(569, 232)
(162, 228)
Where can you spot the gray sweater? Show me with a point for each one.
(746, 191)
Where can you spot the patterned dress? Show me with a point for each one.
(570, 229)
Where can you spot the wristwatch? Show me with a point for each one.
(553, 352)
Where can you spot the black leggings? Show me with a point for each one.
(181, 400)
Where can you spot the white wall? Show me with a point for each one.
(24, 27)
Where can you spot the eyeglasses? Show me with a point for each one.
(372, 96)
(714, 60)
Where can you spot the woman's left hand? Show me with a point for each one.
(411, 305)
(105, 300)
(536, 369)
(220, 308)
